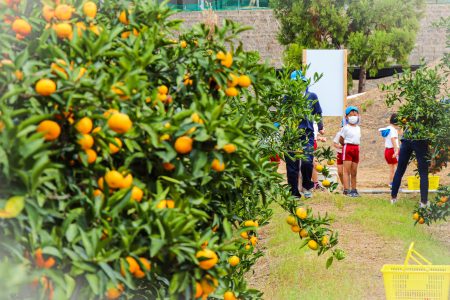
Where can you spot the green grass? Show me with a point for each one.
(300, 274)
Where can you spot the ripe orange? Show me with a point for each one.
(136, 194)
(123, 18)
(312, 244)
(229, 296)
(145, 263)
(98, 193)
(234, 261)
(196, 118)
(319, 168)
(48, 13)
(110, 112)
(247, 247)
(113, 148)
(233, 80)
(125, 34)
(217, 165)
(244, 81)
(444, 199)
(303, 233)
(45, 87)
(229, 148)
(113, 293)
(84, 125)
(95, 29)
(50, 129)
(90, 9)
(162, 89)
(326, 183)
(133, 266)
(127, 181)
(421, 220)
(249, 223)
(209, 285)
(295, 228)
(324, 240)
(55, 67)
(100, 183)
(81, 73)
(198, 290)
(208, 259)
(183, 145)
(416, 216)
(220, 55)
(92, 155)
(63, 12)
(19, 75)
(244, 235)
(301, 212)
(86, 141)
(120, 123)
(80, 27)
(231, 92)
(291, 220)
(114, 179)
(21, 27)
(63, 30)
(330, 162)
(253, 240)
(166, 204)
(183, 44)
(139, 274)
(228, 60)
(168, 166)
(162, 97)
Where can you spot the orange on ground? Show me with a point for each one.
(207, 259)
(84, 125)
(91, 155)
(21, 27)
(45, 87)
(63, 12)
(113, 148)
(90, 9)
(217, 165)
(86, 141)
(183, 144)
(50, 129)
(136, 194)
(120, 123)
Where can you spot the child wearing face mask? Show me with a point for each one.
(350, 139)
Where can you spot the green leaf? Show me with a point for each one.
(70, 285)
(92, 279)
(156, 245)
(329, 261)
(71, 232)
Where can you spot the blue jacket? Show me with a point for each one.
(313, 102)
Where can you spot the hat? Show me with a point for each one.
(298, 74)
(350, 109)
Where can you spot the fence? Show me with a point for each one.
(223, 5)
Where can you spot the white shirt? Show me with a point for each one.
(316, 130)
(351, 134)
(393, 133)
(336, 140)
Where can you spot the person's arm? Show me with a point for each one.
(394, 141)
(317, 110)
(341, 136)
(337, 146)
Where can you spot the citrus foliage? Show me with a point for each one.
(130, 162)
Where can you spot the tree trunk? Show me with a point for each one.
(362, 79)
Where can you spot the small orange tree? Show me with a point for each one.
(131, 162)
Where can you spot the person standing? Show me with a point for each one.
(420, 149)
(294, 166)
(390, 135)
(350, 140)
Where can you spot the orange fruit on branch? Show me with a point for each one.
(244, 81)
(86, 141)
(301, 212)
(48, 13)
(231, 92)
(313, 245)
(21, 27)
(51, 130)
(115, 148)
(123, 18)
(63, 30)
(84, 125)
(63, 12)
(45, 87)
(136, 194)
(90, 9)
(217, 165)
(234, 260)
(229, 148)
(207, 259)
(183, 144)
(120, 123)
(114, 179)
(228, 295)
(91, 156)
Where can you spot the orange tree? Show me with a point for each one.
(424, 113)
(131, 163)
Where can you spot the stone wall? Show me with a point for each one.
(430, 42)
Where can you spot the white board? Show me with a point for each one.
(331, 89)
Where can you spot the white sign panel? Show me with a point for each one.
(331, 89)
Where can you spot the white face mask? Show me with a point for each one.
(353, 119)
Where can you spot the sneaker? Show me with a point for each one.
(316, 186)
(390, 185)
(307, 194)
(354, 193)
(393, 200)
(422, 205)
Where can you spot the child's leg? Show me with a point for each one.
(354, 173)
(341, 173)
(315, 175)
(347, 172)
(392, 168)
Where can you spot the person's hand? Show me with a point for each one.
(322, 132)
(322, 139)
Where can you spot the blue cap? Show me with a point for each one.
(298, 74)
(350, 109)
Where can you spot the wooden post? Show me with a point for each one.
(345, 80)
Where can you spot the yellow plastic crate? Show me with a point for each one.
(414, 182)
(411, 282)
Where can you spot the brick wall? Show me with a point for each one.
(430, 42)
